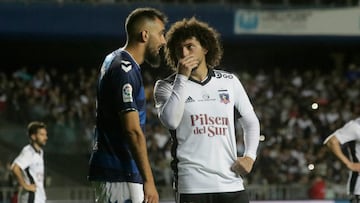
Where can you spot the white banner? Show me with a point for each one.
(337, 21)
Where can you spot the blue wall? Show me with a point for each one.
(87, 20)
(71, 35)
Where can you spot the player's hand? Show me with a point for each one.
(187, 64)
(354, 166)
(30, 187)
(150, 193)
(242, 165)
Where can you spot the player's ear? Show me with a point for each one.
(144, 35)
(205, 51)
(32, 137)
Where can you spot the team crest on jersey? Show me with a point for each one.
(127, 93)
(126, 66)
(224, 98)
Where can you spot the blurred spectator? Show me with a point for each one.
(293, 130)
(317, 189)
(2, 174)
(3, 94)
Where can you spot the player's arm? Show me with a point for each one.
(17, 171)
(334, 145)
(251, 130)
(170, 101)
(138, 149)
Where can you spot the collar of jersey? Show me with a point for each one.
(37, 151)
(208, 78)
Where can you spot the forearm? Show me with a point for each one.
(170, 103)
(137, 143)
(251, 129)
(139, 150)
(16, 170)
(334, 145)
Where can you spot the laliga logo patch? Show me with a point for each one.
(127, 93)
(126, 66)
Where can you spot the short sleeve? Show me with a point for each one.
(23, 160)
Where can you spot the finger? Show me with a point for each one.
(194, 65)
(189, 58)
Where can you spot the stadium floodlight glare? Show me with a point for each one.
(315, 106)
(311, 167)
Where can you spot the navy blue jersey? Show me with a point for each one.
(120, 89)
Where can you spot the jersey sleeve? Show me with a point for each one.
(249, 121)
(126, 85)
(23, 160)
(349, 132)
(170, 101)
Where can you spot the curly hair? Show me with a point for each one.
(185, 29)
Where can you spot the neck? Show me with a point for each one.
(136, 51)
(200, 73)
(36, 147)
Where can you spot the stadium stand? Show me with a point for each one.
(293, 131)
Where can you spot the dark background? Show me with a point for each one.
(67, 36)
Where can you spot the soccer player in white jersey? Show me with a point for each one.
(197, 105)
(28, 166)
(348, 134)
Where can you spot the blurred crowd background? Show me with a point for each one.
(297, 109)
(301, 93)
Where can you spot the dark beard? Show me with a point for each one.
(152, 58)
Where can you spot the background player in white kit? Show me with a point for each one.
(197, 105)
(349, 134)
(28, 166)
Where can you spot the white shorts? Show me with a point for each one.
(30, 197)
(106, 192)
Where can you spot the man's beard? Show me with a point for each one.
(152, 57)
(41, 144)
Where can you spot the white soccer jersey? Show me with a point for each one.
(32, 164)
(350, 132)
(202, 117)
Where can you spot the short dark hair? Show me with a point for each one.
(140, 14)
(185, 29)
(34, 126)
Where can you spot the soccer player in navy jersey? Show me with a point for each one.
(119, 164)
(197, 104)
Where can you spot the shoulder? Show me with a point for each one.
(119, 62)
(123, 60)
(357, 120)
(352, 124)
(27, 151)
(221, 74)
